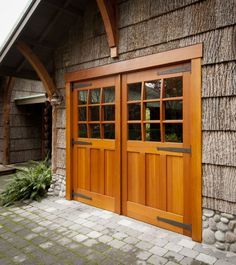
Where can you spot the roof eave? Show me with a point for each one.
(18, 28)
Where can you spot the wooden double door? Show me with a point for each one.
(131, 146)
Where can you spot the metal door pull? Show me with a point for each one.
(175, 149)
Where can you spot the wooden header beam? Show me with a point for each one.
(108, 10)
(37, 65)
(155, 60)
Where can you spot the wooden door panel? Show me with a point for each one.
(175, 185)
(96, 175)
(136, 188)
(82, 168)
(109, 160)
(155, 182)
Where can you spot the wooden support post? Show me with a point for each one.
(7, 90)
(108, 10)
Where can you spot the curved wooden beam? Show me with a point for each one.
(39, 68)
(108, 10)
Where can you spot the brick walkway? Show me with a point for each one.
(57, 231)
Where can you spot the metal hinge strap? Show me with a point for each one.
(80, 195)
(178, 69)
(175, 223)
(80, 142)
(175, 149)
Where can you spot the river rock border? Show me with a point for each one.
(58, 186)
(219, 229)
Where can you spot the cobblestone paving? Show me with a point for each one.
(56, 231)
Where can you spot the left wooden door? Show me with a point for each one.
(96, 142)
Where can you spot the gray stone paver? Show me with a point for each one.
(56, 231)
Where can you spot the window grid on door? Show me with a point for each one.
(155, 110)
(96, 113)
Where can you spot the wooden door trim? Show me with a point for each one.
(196, 142)
(69, 135)
(163, 58)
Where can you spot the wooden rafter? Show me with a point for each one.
(37, 65)
(108, 10)
(7, 92)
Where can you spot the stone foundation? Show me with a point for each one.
(219, 229)
(58, 186)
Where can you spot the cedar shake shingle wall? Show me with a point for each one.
(152, 26)
(25, 123)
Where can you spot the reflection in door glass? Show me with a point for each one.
(134, 132)
(82, 97)
(82, 114)
(94, 113)
(109, 131)
(173, 110)
(95, 96)
(174, 133)
(152, 111)
(95, 130)
(173, 87)
(153, 132)
(109, 113)
(153, 89)
(134, 111)
(109, 94)
(82, 131)
(134, 91)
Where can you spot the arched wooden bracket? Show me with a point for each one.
(41, 70)
(108, 10)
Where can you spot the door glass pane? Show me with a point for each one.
(82, 131)
(174, 133)
(82, 97)
(95, 130)
(153, 132)
(173, 110)
(152, 111)
(109, 131)
(109, 113)
(153, 89)
(134, 91)
(134, 131)
(95, 96)
(94, 113)
(134, 111)
(109, 94)
(82, 114)
(173, 87)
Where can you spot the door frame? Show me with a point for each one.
(191, 54)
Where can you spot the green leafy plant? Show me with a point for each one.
(28, 183)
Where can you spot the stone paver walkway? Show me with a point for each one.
(56, 231)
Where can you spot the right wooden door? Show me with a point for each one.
(156, 149)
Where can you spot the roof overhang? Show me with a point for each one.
(43, 27)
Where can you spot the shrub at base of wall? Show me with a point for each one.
(58, 186)
(219, 229)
